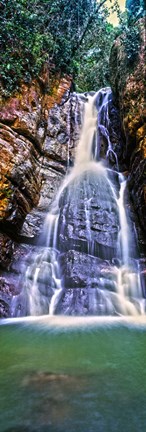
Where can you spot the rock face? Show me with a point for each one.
(77, 299)
(88, 216)
(23, 137)
(127, 83)
(27, 164)
(39, 135)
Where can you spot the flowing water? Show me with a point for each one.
(79, 374)
(93, 185)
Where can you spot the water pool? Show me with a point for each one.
(60, 374)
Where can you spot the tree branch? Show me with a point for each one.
(89, 22)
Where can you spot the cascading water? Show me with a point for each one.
(123, 232)
(88, 220)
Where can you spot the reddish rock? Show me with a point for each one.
(23, 127)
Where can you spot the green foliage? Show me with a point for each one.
(70, 36)
(6, 192)
(130, 36)
(35, 31)
(135, 8)
(132, 43)
(93, 62)
(24, 43)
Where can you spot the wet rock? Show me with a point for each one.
(109, 127)
(92, 286)
(21, 253)
(117, 137)
(81, 270)
(38, 279)
(23, 130)
(7, 290)
(35, 158)
(57, 137)
(30, 174)
(88, 215)
(6, 248)
(137, 186)
(20, 180)
(143, 283)
(4, 309)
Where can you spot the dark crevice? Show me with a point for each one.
(24, 193)
(55, 158)
(23, 134)
(33, 140)
(9, 230)
(62, 169)
(65, 99)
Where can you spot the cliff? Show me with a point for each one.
(127, 82)
(23, 142)
(28, 167)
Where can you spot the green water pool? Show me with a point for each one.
(72, 375)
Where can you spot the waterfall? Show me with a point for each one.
(102, 102)
(84, 148)
(86, 265)
(124, 232)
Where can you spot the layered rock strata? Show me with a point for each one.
(28, 166)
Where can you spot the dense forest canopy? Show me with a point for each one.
(73, 37)
(135, 8)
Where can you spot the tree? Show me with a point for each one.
(129, 29)
(93, 60)
(36, 31)
(135, 8)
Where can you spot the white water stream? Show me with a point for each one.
(125, 299)
(124, 231)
